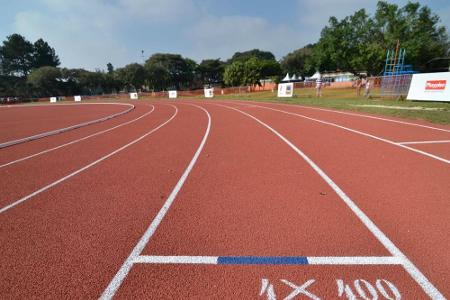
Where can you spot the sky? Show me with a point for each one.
(90, 33)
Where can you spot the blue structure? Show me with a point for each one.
(396, 75)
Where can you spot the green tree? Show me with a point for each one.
(46, 80)
(270, 68)
(416, 27)
(110, 68)
(44, 55)
(234, 74)
(178, 71)
(158, 77)
(253, 71)
(133, 76)
(359, 42)
(211, 71)
(296, 62)
(256, 53)
(16, 56)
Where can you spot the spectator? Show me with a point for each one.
(319, 87)
(368, 86)
(358, 87)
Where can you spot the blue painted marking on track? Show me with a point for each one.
(262, 260)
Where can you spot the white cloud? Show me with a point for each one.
(77, 43)
(91, 33)
(158, 10)
(214, 36)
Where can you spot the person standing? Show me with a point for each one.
(319, 87)
(368, 86)
(358, 87)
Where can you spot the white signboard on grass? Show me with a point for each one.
(430, 87)
(53, 99)
(173, 94)
(134, 96)
(286, 89)
(209, 93)
(77, 98)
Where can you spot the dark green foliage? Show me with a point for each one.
(359, 42)
(16, 56)
(168, 71)
(211, 71)
(44, 55)
(256, 53)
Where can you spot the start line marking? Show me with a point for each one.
(270, 260)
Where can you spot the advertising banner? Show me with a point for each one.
(430, 87)
(286, 89)
(173, 94)
(209, 93)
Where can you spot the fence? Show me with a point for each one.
(382, 86)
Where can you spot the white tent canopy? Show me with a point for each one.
(286, 78)
(316, 75)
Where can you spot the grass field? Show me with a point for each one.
(345, 99)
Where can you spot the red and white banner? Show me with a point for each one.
(430, 87)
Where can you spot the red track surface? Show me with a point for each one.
(248, 194)
(23, 121)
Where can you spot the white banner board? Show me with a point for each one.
(173, 94)
(286, 89)
(134, 96)
(430, 87)
(77, 98)
(53, 99)
(209, 93)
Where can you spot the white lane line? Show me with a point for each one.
(355, 260)
(357, 132)
(17, 202)
(116, 282)
(362, 116)
(76, 141)
(150, 259)
(415, 273)
(312, 260)
(61, 130)
(424, 142)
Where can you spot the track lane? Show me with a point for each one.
(385, 181)
(389, 128)
(233, 218)
(355, 131)
(48, 150)
(228, 204)
(21, 180)
(21, 150)
(72, 239)
(21, 128)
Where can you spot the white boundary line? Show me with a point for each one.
(72, 127)
(116, 282)
(353, 131)
(355, 115)
(77, 140)
(413, 271)
(153, 259)
(312, 260)
(17, 202)
(424, 142)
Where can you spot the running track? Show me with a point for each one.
(225, 200)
